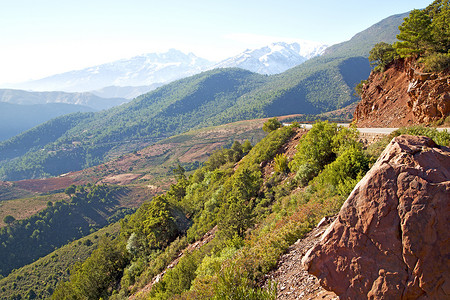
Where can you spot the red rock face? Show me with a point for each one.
(403, 96)
(391, 239)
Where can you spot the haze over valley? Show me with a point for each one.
(215, 150)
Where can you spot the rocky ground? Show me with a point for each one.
(293, 281)
(391, 237)
(403, 95)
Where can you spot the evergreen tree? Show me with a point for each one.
(271, 125)
(381, 55)
(415, 34)
(439, 11)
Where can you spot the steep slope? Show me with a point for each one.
(360, 45)
(403, 95)
(390, 239)
(41, 277)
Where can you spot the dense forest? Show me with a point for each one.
(90, 207)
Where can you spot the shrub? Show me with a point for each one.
(8, 219)
(345, 172)
(316, 147)
(281, 163)
(305, 173)
(230, 286)
(436, 62)
(381, 55)
(359, 88)
(271, 125)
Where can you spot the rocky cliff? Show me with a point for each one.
(403, 95)
(391, 239)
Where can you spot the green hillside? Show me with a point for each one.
(41, 277)
(360, 45)
(244, 216)
(90, 208)
(83, 99)
(211, 98)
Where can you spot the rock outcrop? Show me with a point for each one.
(402, 95)
(391, 239)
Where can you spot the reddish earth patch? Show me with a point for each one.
(121, 179)
(50, 184)
(150, 162)
(200, 152)
(402, 95)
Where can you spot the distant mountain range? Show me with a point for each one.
(274, 58)
(129, 78)
(143, 70)
(84, 99)
(214, 97)
(104, 86)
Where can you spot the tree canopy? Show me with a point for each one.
(425, 31)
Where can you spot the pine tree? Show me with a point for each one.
(415, 34)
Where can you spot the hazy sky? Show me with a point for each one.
(44, 37)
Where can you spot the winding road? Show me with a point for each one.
(371, 129)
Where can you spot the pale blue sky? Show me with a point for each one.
(43, 37)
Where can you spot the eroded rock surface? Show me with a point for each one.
(391, 239)
(403, 95)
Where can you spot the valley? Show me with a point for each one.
(281, 173)
(215, 97)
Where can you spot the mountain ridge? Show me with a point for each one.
(274, 58)
(129, 78)
(219, 96)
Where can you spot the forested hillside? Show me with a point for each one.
(215, 97)
(244, 216)
(89, 209)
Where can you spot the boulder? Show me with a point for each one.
(391, 239)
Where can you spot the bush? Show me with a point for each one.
(230, 286)
(439, 137)
(381, 55)
(305, 173)
(271, 125)
(359, 88)
(315, 147)
(345, 172)
(281, 163)
(436, 62)
(8, 219)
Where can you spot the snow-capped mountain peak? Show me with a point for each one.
(154, 69)
(274, 58)
(142, 70)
